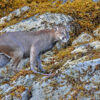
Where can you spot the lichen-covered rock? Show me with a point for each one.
(81, 48)
(95, 45)
(76, 79)
(44, 21)
(25, 95)
(7, 97)
(97, 32)
(16, 13)
(84, 37)
(3, 19)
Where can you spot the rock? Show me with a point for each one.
(81, 67)
(3, 19)
(62, 85)
(24, 80)
(80, 49)
(22, 63)
(95, 45)
(25, 95)
(44, 21)
(97, 32)
(16, 13)
(8, 97)
(4, 88)
(84, 37)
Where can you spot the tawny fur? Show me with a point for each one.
(19, 45)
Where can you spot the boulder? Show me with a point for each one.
(83, 37)
(43, 21)
(15, 13)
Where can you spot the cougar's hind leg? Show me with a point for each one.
(4, 60)
(33, 57)
(16, 58)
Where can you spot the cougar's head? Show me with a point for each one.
(61, 33)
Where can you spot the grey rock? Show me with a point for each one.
(8, 97)
(24, 80)
(44, 21)
(3, 19)
(80, 49)
(4, 88)
(25, 95)
(84, 37)
(43, 90)
(97, 95)
(20, 11)
(22, 63)
(97, 32)
(81, 67)
(95, 45)
(15, 13)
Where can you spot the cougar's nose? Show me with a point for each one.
(64, 39)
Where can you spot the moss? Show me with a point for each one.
(85, 12)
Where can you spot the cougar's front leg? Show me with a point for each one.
(39, 64)
(33, 58)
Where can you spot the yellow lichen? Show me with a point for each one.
(21, 73)
(16, 91)
(85, 12)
